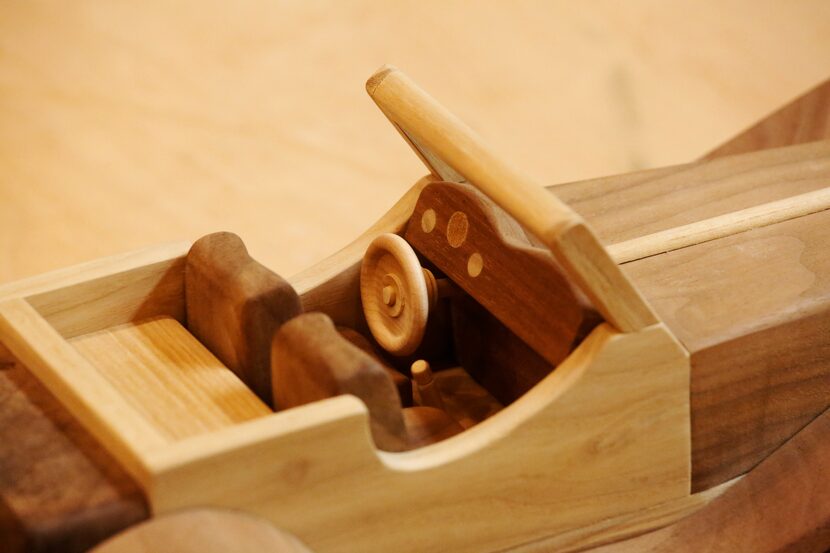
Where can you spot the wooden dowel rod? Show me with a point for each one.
(445, 142)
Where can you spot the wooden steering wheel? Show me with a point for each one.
(397, 294)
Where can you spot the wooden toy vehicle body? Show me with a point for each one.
(581, 393)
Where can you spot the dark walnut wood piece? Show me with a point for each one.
(753, 309)
(486, 253)
(234, 305)
(780, 507)
(60, 491)
(312, 361)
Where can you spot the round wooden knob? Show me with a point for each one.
(396, 293)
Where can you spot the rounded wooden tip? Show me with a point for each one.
(421, 372)
(374, 81)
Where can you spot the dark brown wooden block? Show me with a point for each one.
(312, 361)
(234, 305)
(485, 252)
(753, 309)
(402, 382)
(59, 489)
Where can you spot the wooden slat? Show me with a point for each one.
(753, 309)
(109, 291)
(171, 379)
(59, 488)
(78, 386)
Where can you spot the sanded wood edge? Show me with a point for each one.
(605, 434)
(432, 127)
(79, 387)
(333, 285)
(718, 227)
(108, 292)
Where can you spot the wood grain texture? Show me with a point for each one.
(311, 361)
(59, 489)
(521, 285)
(627, 207)
(435, 131)
(170, 378)
(753, 310)
(78, 385)
(107, 292)
(463, 398)
(779, 507)
(203, 531)
(805, 119)
(235, 305)
(617, 407)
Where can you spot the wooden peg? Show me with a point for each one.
(398, 294)
(425, 383)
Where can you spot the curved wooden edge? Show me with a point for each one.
(333, 285)
(203, 531)
(605, 434)
(454, 152)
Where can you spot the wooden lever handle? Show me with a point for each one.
(455, 153)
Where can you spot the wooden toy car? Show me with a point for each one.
(491, 366)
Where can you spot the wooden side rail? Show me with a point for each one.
(455, 153)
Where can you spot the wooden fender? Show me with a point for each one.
(605, 434)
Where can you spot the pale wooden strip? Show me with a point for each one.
(79, 387)
(720, 226)
(169, 377)
(108, 292)
(431, 127)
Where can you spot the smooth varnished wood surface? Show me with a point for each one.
(486, 253)
(754, 311)
(59, 488)
(170, 378)
(780, 507)
(203, 531)
(234, 306)
(126, 125)
(628, 208)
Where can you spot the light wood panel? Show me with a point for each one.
(753, 309)
(618, 408)
(170, 378)
(124, 125)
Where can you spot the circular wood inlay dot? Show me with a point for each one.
(475, 264)
(428, 220)
(457, 228)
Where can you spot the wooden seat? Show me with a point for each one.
(234, 305)
(310, 361)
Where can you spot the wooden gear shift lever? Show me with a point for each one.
(397, 293)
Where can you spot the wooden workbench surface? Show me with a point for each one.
(124, 124)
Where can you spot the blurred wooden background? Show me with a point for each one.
(124, 124)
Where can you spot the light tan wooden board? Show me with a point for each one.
(165, 374)
(618, 408)
(124, 125)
